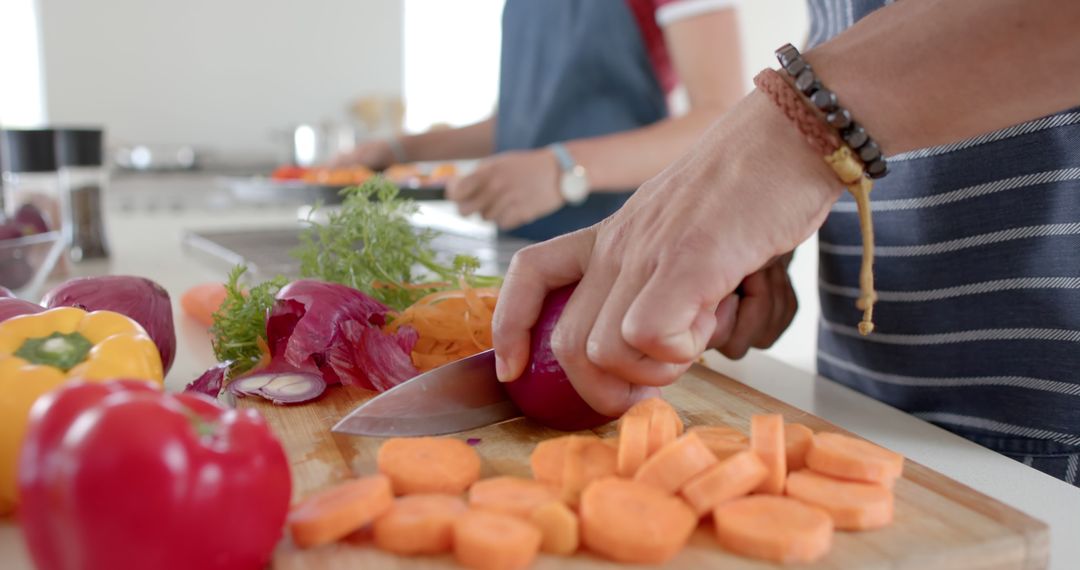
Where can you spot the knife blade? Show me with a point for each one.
(455, 397)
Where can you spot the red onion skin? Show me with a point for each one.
(5, 293)
(12, 307)
(209, 383)
(543, 393)
(338, 330)
(139, 298)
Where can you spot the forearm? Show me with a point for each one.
(472, 141)
(928, 72)
(625, 160)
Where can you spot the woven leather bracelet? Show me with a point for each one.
(845, 163)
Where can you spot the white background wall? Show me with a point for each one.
(219, 74)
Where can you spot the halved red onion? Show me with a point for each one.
(281, 388)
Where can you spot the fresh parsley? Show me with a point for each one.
(241, 321)
(369, 245)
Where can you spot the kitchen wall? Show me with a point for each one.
(218, 74)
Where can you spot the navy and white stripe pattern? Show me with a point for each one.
(978, 270)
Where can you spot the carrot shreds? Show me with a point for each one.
(451, 324)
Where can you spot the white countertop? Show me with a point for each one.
(147, 242)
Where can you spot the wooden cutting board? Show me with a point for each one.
(940, 524)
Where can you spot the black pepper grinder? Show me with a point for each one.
(83, 180)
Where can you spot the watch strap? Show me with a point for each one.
(562, 155)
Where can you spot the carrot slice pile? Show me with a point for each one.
(627, 521)
(484, 540)
(451, 325)
(844, 457)
(419, 524)
(558, 527)
(429, 465)
(547, 458)
(587, 459)
(777, 529)
(852, 505)
(335, 512)
(511, 495)
(767, 441)
(664, 422)
(202, 301)
(723, 441)
(676, 463)
(797, 438)
(731, 478)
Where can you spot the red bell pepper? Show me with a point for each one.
(120, 475)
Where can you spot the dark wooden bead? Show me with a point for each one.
(855, 136)
(877, 169)
(806, 81)
(796, 67)
(787, 54)
(840, 118)
(869, 152)
(824, 99)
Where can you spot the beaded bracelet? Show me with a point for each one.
(847, 166)
(809, 84)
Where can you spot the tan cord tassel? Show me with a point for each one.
(850, 171)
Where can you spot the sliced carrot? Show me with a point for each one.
(767, 441)
(451, 324)
(723, 441)
(429, 465)
(797, 438)
(664, 422)
(332, 513)
(663, 429)
(777, 529)
(202, 301)
(731, 478)
(511, 495)
(587, 459)
(627, 521)
(419, 524)
(852, 505)
(676, 463)
(845, 457)
(633, 444)
(558, 526)
(546, 459)
(484, 540)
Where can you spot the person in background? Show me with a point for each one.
(974, 104)
(582, 115)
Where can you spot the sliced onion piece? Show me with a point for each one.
(280, 387)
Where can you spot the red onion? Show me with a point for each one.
(543, 392)
(338, 331)
(5, 293)
(281, 386)
(12, 307)
(209, 383)
(141, 299)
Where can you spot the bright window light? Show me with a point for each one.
(21, 103)
(451, 61)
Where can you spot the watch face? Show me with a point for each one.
(575, 187)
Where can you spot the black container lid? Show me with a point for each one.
(28, 150)
(79, 147)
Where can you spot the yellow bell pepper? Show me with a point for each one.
(42, 351)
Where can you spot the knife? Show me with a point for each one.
(459, 396)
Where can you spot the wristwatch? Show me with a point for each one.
(574, 184)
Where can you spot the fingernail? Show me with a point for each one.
(501, 370)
